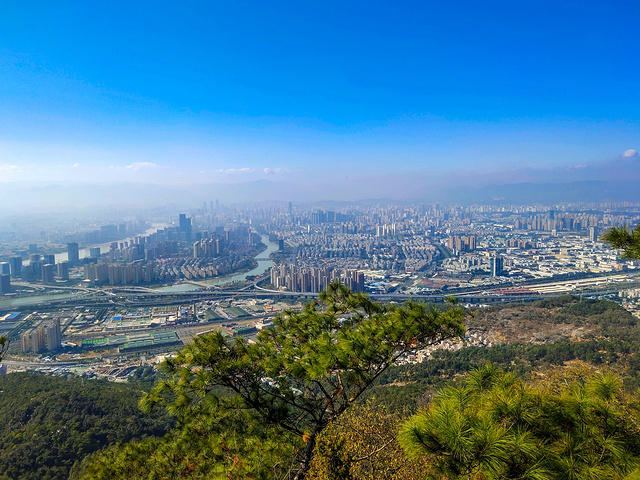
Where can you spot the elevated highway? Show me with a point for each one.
(144, 296)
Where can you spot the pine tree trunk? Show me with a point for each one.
(308, 456)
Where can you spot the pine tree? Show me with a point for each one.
(308, 369)
(496, 426)
(624, 239)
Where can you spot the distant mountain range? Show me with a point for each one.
(464, 187)
(529, 193)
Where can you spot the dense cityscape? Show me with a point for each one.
(142, 287)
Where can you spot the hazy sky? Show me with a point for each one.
(181, 92)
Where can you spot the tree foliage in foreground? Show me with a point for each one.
(614, 342)
(362, 444)
(305, 371)
(624, 239)
(496, 426)
(218, 444)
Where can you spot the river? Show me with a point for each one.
(33, 299)
(179, 287)
(104, 247)
(262, 266)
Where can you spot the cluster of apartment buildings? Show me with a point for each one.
(119, 274)
(46, 337)
(462, 243)
(314, 280)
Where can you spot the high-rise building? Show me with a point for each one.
(34, 269)
(90, 272)
(148, 272)
(5, 268)
(49, 258)
(29, 273)
(5, 283)
(593, 234)
(102, 272)
(465, 243)
(94, 252)
(47, 273)
(34, 340)
(45, 337)
(184, 225)
(53, 337)
(73, 253)
(63, 270)
(497, 266)
(115, 275)
(16, 266)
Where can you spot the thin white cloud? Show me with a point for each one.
(7, 171)
(136, 166)
(75, 165)
(630, 153)
(235, 171)
(269, 171)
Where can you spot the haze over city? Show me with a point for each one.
(316, 101)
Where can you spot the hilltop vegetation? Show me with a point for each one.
(48, 423)
(529, 337)
(576, 425)
(248, 411)
(290, 384)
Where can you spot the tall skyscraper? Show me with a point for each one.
(15, 264)
(5, 268)
(53, 336)
(184, 224)
(63, 270)
(34, 269)
(47, 273)
(497, 266)
(73, 253)
(5, 283)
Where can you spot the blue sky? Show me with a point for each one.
(227, 91)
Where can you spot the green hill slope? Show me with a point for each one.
(48, 423)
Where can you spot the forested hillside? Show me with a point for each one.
(48, 423)
(529, 336)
